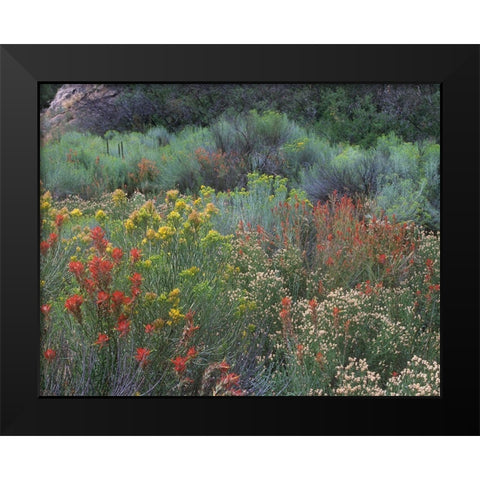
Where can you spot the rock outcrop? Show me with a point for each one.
(95, 108)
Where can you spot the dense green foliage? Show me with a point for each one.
(400, 178)
(352, 113)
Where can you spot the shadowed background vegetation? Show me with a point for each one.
(379, 142)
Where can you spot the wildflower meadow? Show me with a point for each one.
(184, 267)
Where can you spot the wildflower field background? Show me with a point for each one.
(254, 255)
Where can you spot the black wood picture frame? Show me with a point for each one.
(23, 67)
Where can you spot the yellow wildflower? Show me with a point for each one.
(190, 272)
(175, 315)
(180, 205)
(100, 215)
(166, 232)
(129, 225)
(173, 296)
(119, 197)
(147, 263)
(150, 234)
(76, 213)
(173, 216)
(211, 208)
(171, 196)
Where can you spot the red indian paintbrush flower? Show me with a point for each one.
(142, 355)
(52, 239)
(135, 255)
(149, 328)
(73, 303)
(102, 340)
(118, 298)
(89, 285)
(223, 367)
(100, 243)
(123, 326)
(77, 268)
(50, 354)
(230, 379)
(59, 220)
(192, 352)
(45, 309)
(382, 258)
(237, 392)
(117, 254)
(180, 364)
(44, 246)
(313, 304)
(286, 302)
(101, 271)
(136, 280)
(189, 329)
(300, 349)
(102, 298)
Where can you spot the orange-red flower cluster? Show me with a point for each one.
(59, 219)
(142, 356)
(286, 318)
(135, 255)
(103, 299)
(117, 255)
(73, 304)
(101, 271)
(180, 363)
(300, 349)
(77, 268)
(50, 354)
(189, 329)
(102, 340)
(149, 328)
(319, 358)
(313, 304)
(99, 241)
(46, 245)
(229, 380)
(123, 326)
(136, 280)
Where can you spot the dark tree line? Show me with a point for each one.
(354, 113)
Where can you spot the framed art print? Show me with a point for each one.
(239, 240)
